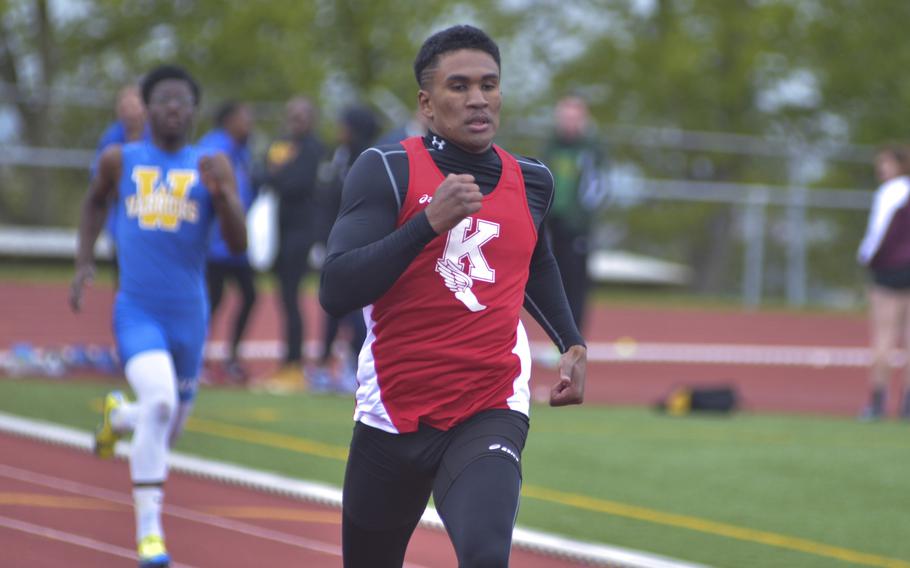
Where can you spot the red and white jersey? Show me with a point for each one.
(445, 342)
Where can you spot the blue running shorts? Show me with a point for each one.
(178, 327)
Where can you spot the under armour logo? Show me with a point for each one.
(439, 144)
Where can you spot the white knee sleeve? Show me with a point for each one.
(154, 381)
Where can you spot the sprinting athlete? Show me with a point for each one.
(167, 194)
(440, 241)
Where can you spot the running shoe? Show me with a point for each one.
(152, 553)
(105, 435)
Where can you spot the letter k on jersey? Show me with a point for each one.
(459, 246)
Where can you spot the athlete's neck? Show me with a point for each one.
(168, 144)
(486, 167)
(433, 140)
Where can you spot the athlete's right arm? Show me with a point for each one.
(366, 253)
(102, 189)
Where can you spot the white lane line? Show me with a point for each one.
(631, 351)
(73, 539)
(628, 350)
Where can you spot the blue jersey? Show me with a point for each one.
(164, 219)
(239, 155)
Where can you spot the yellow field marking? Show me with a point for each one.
(265, 414)
(258, 414)
(278, 514)
(711, 527)
(57, 502)
(271, 439)
(578, 501)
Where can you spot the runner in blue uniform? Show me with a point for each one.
(168, 194)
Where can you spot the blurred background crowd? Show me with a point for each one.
(714, 149)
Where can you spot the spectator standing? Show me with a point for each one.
(885, 251)
(357, 130)
(575, 161)
(292, 165)
(231, 135)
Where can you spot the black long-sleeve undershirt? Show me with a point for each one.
(367, 253)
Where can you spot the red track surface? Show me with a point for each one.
(63, 507)
(38, 313)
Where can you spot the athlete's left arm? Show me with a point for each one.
(545, 300)
(217, 176)
(545, 297)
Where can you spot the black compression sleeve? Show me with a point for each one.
(365, 252)
(545, 298)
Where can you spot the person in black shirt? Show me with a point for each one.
(291, 170)
(473, 468)
(357, 130)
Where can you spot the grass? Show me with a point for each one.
(742, 491)
(682, 298)
(43, 272)
(48, 272)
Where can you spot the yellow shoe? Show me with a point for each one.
(105, 436)
(289, 378)
(152, 553)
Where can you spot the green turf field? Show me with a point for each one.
(781, 491)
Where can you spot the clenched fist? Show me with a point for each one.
(455, 198)
(572, 371)
(214, 174)
(85, 274)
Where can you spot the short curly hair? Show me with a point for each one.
(163, 73)
(448, 40)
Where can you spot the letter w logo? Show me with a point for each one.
(460, 245)
(162, 205)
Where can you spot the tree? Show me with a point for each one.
(28, 68)
(334, 50)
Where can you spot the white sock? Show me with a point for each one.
(147, 502)
(123, 418)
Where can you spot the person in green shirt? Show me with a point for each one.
(576, 164)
